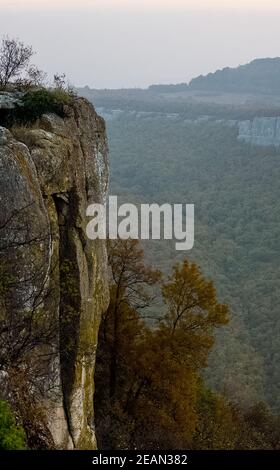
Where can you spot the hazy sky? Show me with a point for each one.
(129, 43)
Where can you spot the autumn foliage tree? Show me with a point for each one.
(130, 293)
(130, 280)
(170, 359)
(193, 313)
(152, 373)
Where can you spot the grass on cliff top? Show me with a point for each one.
(34, 104)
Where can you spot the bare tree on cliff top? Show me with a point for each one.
(14, 59)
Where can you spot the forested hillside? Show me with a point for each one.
(236, 192)
(259, 76)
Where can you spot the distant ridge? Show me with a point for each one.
(169, 88)
(259, 76)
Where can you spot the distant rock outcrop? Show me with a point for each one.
(263, 131)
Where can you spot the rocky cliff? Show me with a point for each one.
(50, 172)
(262, 131)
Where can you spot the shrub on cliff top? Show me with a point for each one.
(34, 104)
(39, 102)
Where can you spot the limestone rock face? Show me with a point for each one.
(263, 131)
(49, 174)
(8, 100)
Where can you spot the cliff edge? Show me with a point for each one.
(50, 171)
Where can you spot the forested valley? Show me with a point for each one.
(170, 145)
